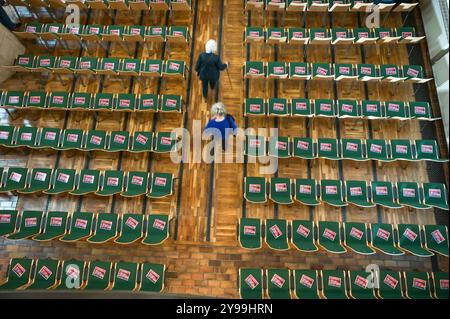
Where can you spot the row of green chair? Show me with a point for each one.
(106, 33)
(301, 234)
(343, 149)
(326, 5)
(342, 109)
(98, 66)
(94, 228)
(338, 72)
(331, 36)
(339, 194)
(121, 5)
(44, 274)
(103, 183)
(92, 140)
(341, 284)
(82, 101)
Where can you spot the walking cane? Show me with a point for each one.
(229, 77)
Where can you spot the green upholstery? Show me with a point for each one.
(36, 99)
(328, 148)
(72, 139)
(88, 182)
(44, 63)
(410, 240)
(7, 135)
(134, 33)
(254, 34)
(417, 285)
(157, 229)
(355, 238)
(440, 280)
(251, 283)
(142, 142)
(255, 189)
(299, 70)
(165, 142)
(420, 110)
(80, 227)
(331, 193)
(378, 150)
(26, 136)
(324, 108)
(112, 183)
(367, 72)
(130, 67)
(106, 228)
(156, 33)
(104, 101)
(396, 110)
(319, 34)
(280, 147)
(361, 285)
(413, 73)
(363, 35)
(171, 103)
(87, 65)
(390, 73)
(72, 275)
(63, 181)
(30, 225)
(383, 239)
(277, 234)
(277, 70)
(66, 64)
(152, 277)
(347, 109)
(19, 273)
(383, 194)
(254, 69)
(250, 233)
(322, 70)
(304, 148)
(118, 141)
(131, 230)
(153, 68)
(306, 192)
(81, 101)
(303, 235)
(148, 102)
(99, 275)
(49, 138)
(136, 184)
(281, 190)
(408, 195)
(58, 100)
(14, 99)
(45, 274)
(330, 237)
(301, 107)
(278, 283)
(428, 150)
(174, 68)
(15, 179)
(390, 285)
(305, 282)
(125, 276)
(333, 284)
(436, 239)
(113, 32)
(352, 149)
(92, 31)
(96, 140)
(161, 185)
(55, 226)
(344, 71)
(402, 150)
(356, 193)
(25, 61)
(372, 109)
(297, 34)
(341, 35)
(8, 220)
(278, 107)
(255, 146)
(125, 102)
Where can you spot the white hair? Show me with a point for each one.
(211, 46)
(218, 109)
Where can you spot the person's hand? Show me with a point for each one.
(228, 64)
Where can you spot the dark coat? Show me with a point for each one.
(208, 67)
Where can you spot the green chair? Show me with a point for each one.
(80, 227)
(96, 140)
(333, 284)
(63, 181)
(148, 102)
(428, 150)
(301, 107)
(390, 285)
(356, 194)
(377, 150)
(72, 275)
(297, 35)
(386, 35)
(306, 192)
(125, 276)
(254, 69)
(165, 142)
(322, 71)
(44, 63)
(341, 35)
(152, 68)
(277, 70)
(45, 274)
(36, 100)
(278, 283)
(278, 107)
(103, 102)
(254, 34)
(440, 280)
(254, 107)
(328, 148)
(131, 229)
(152, 277)
(58, 100)
(7, 135)
(161, 185)
(178, 34)
(155, 34)
(174, 69)
(255, 146)
(19, 273)
(23, 63)
(303, 236)
(250, 283)
(55, 226)
(324, 108)
(31, 31)
(113, 33)
(355, 238)
(409, 195)
(52, 31)
(98, 275)
(421, 111)
(105, 229)
(92, 32)
(81, 101)
(435, 195)
(280, 147)
(410, 240)
(171, 103)
(383, 195)
(130, 67)
(331, 193)
(48, 138)
(277, 234)
(275, 5)
(383, 239)
(8, 220)
(372, 110)
(436, 239)
(134, 33)
(65, 65)
(330, 237)
(26, 136)
(142, 142)
(157, 229)
(352, 149)
(417, 285)
(15, 99)
(408, 35)
(30, 225)
(391, 73)
(339, 6)
(361, 285)
(112, 183)
(299, 70)
(344, 71)
(396, 110)
(364, 36)
(402, 150)
(119, 141)
(250, 236)
(125, 103)
(88, 182)
(281, 190)
(319, 36)
(414, 74)
(72, 139)
(87, 65)
(305, 284)
(348, 109)
(304, 148)
(255, 189)
(15, 179)
(367, 73)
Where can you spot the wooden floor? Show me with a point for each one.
(195, 265)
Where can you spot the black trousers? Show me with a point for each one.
(205, 83)
(5, 20)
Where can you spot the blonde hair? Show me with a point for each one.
(211, 46)
(218, 109)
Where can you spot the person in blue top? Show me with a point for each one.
(221, 124)
(208, 67)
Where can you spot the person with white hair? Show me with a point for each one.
(208, 67)
(221, 123)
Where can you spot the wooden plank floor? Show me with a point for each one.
(196, 266)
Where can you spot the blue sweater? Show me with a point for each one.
(222, 126)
